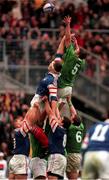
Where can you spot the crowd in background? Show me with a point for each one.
(21, 21)
(11, 106)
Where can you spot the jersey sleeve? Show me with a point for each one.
(52, 88)
(53, 123)
(52, 92)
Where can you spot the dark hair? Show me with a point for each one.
(77, 120)
(66, 122)
(58, 66)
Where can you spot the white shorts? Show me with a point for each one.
(37, 99)
(96, 165)
(57, 164)
(18, 164)
(64, 92)
(73, 162)
(38, 167)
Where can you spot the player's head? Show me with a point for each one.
(18, 122)
(77, 121)
(55, 67)
(72, 37)
(66, 122)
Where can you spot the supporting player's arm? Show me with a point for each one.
(72, 109)
(53, 121)
(40, 136)
(60, 50)
(47, 107)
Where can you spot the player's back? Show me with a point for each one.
(42, 87)
(57, 141)
(74, 138)
(99, 137)
(21, 143)
(70, 69)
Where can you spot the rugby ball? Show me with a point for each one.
(38, 3)
(48, 7)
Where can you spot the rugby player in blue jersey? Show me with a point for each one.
(47, 87)
(18, 164)
(57, 142)
(95, 151)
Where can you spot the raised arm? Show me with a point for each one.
(67, 21)
(60, 50)
(72, 109)
(47, 107)
(53, 121)
(74, 40)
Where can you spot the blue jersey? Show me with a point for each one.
(21, 143)
(48, 86)
(57, 138)
(97, 138)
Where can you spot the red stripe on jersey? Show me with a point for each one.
(51, 121)
(54, 125)
(27, 125)
(52, 87)
(53, 92)
(1, 166)
(23, 129)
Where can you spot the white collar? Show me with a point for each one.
(54, 75)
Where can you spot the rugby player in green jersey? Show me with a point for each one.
(72, 64)
(73, 147)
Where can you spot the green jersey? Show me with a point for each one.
(71, 67)
(74, 138)
(37, 150)
(36, 147)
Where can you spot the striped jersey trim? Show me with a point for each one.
(53, 123)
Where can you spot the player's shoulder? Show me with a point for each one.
(70, 47)
(49, 76)
(60, 130)
(93, 127)
(48, 79)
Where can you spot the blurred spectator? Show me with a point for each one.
(16, 11)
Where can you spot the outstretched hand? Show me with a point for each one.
(67, 20)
